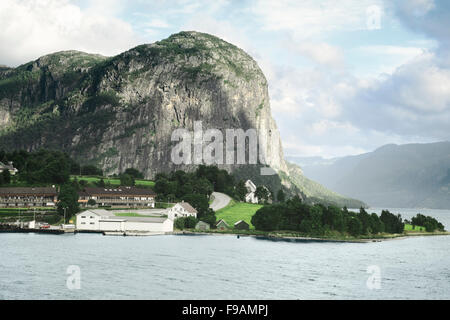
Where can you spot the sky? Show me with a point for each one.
(345, 77)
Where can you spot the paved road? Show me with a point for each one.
(221, 200)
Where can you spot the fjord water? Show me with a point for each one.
(34, 266)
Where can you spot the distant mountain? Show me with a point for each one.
(411, 176)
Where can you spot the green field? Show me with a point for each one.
(409, 227)
(236, 211)
(113, 181)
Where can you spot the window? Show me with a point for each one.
(83, 223)
(92, 222)
(83, 217)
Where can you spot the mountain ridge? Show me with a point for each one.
(410, 175)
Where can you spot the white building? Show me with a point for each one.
(250, 196)
(181, 210)
(8, 167)
(118, 197)
(103, 220)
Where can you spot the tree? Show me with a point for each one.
(91, 202)
(392, 223)
(364, 217)
(83, 183)
(134, 173)
(355, 226)
(267, 218)
(190, 222)
(262, 194)
(68, 199)
(179, 223)
(161, 185)
(281, 197)
(6, 175)
(376, 225)
(127, 180)
(428, 222)
(100, 183)
(241, 190)
(56, 170)
(203, 186)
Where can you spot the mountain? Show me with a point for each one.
(410, 176)
(120, 112)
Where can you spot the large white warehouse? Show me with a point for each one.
(103, 220)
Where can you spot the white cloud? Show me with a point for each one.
(405, 52)
(321, 53)
(313, 17)
(417, 8)
(30, 29)
(157, 23)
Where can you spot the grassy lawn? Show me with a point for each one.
(409, 227)
(236, 211)
(113, 181)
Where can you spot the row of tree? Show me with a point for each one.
(294, 215)
(430, 223)
(45, 167)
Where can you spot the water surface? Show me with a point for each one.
(33, 266)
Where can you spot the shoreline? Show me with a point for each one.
(271, 236)
(289, 238)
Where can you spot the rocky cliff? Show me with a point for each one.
(120, 112)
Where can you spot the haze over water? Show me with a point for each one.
(33, 266)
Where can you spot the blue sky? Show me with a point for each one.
(345, 77)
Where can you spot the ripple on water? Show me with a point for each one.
(211, 267)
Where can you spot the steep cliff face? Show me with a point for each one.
(120, 112)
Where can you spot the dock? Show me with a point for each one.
(23, 230)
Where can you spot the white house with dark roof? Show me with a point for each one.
(181, 210)
(107, 221)
(251, 197)
(251, 189)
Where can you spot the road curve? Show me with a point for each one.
(220, 201)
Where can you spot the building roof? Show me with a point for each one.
(241, 221)
(134, 219)
(27, 191)
(99, 212)
(202, 222)
(187, 207)
(110, 216)
(222, 221)
(120, 191)
(145, 219)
